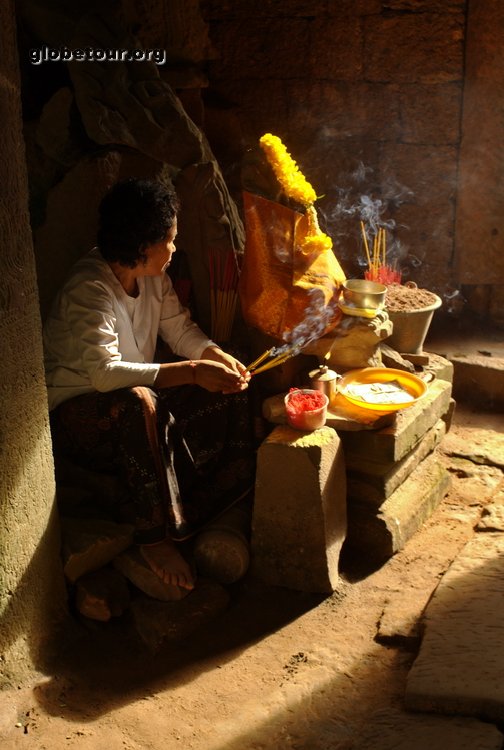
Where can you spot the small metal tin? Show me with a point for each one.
(325, 380)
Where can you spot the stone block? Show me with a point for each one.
(399, 730)
(439, 366)
(102, 594)
(400, 621)
(132, 565)
(299, 520)
(376, 482)
(393, 443)
(159, 623)
(461, 661)
(448, 416)
(492, 517)
(479, 380)
(391, 358)
(380, 533)
(89, 544)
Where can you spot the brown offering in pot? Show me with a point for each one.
(401, 297)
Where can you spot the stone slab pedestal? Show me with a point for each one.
(380, 480)
(377, 533)
(299, 521)
(395, 442)
(394, 478)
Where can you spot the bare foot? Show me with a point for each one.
(165, 560)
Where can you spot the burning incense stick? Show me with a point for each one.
(364, 237)
(280, 358)
(260, 359)
(378, 270)
(273, 363)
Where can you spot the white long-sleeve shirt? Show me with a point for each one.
(97, 338)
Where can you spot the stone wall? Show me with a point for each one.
(368, 96)
(480, 215)
(31, 576)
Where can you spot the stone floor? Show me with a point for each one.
(404, 657)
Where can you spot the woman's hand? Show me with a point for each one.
(218, 355)
(216, 376)
(216, 371)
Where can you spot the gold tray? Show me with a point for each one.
(414, 386)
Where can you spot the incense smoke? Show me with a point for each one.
(362, 199)
(318, 316)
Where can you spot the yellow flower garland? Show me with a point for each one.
(287, 171)
(295, 186)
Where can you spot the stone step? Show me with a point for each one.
(461, 661)
(376, 482)
(393, 443)
(377, 533)
(299, 520)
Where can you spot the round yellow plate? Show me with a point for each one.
(412, 384)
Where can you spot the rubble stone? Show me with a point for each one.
(299, 520)
(102, 594)
(158, 623)
(400, 620)
(128, 103)
(439, 366)
(89, 544)
(492, 518)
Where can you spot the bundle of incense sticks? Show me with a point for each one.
(378, 270)
(223, 271)
(256, 367)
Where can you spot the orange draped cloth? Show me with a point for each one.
(281, 287)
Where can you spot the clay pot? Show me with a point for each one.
(411, 328)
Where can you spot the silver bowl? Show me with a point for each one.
(364, 294)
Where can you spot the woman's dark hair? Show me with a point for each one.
(134, 214)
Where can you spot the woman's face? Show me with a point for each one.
(159, 255)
